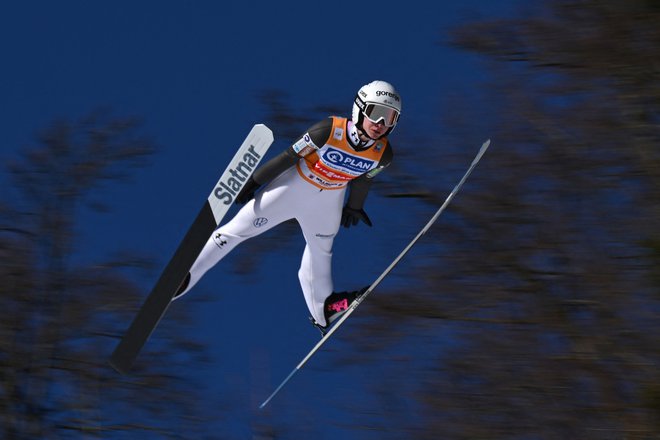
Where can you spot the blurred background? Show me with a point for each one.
(529, 311)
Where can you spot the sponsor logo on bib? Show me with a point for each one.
(347, 162)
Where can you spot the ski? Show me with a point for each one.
(214, 209)
(362, 297)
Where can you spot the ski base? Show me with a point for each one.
(214, 209)
(362, 297)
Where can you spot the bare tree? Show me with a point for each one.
(62, 318)
(537, 303)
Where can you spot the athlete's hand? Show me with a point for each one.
(351, 217)
(247, 193)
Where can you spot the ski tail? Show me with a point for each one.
(159, 298)
(214, 209)
(371, 288)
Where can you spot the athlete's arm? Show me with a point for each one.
(318, 134)
(359, 188)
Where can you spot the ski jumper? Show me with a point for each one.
(308, 182)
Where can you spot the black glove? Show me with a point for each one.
(247, 193)
(350, 217)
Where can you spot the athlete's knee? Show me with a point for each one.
(226, 241)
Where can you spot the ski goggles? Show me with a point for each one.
(377, 112)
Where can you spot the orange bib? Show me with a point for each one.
(336, 163)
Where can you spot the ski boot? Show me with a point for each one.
(335, 306)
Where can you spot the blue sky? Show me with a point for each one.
(193, 71)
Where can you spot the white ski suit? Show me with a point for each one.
(308, 183)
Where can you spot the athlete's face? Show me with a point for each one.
(373, 129)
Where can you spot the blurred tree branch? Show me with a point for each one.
(536, 296)
(60, 319)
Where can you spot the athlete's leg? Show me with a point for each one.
(266, 210)
(319, 226)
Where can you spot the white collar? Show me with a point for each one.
(354, 137)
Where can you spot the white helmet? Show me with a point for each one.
(377, 101)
